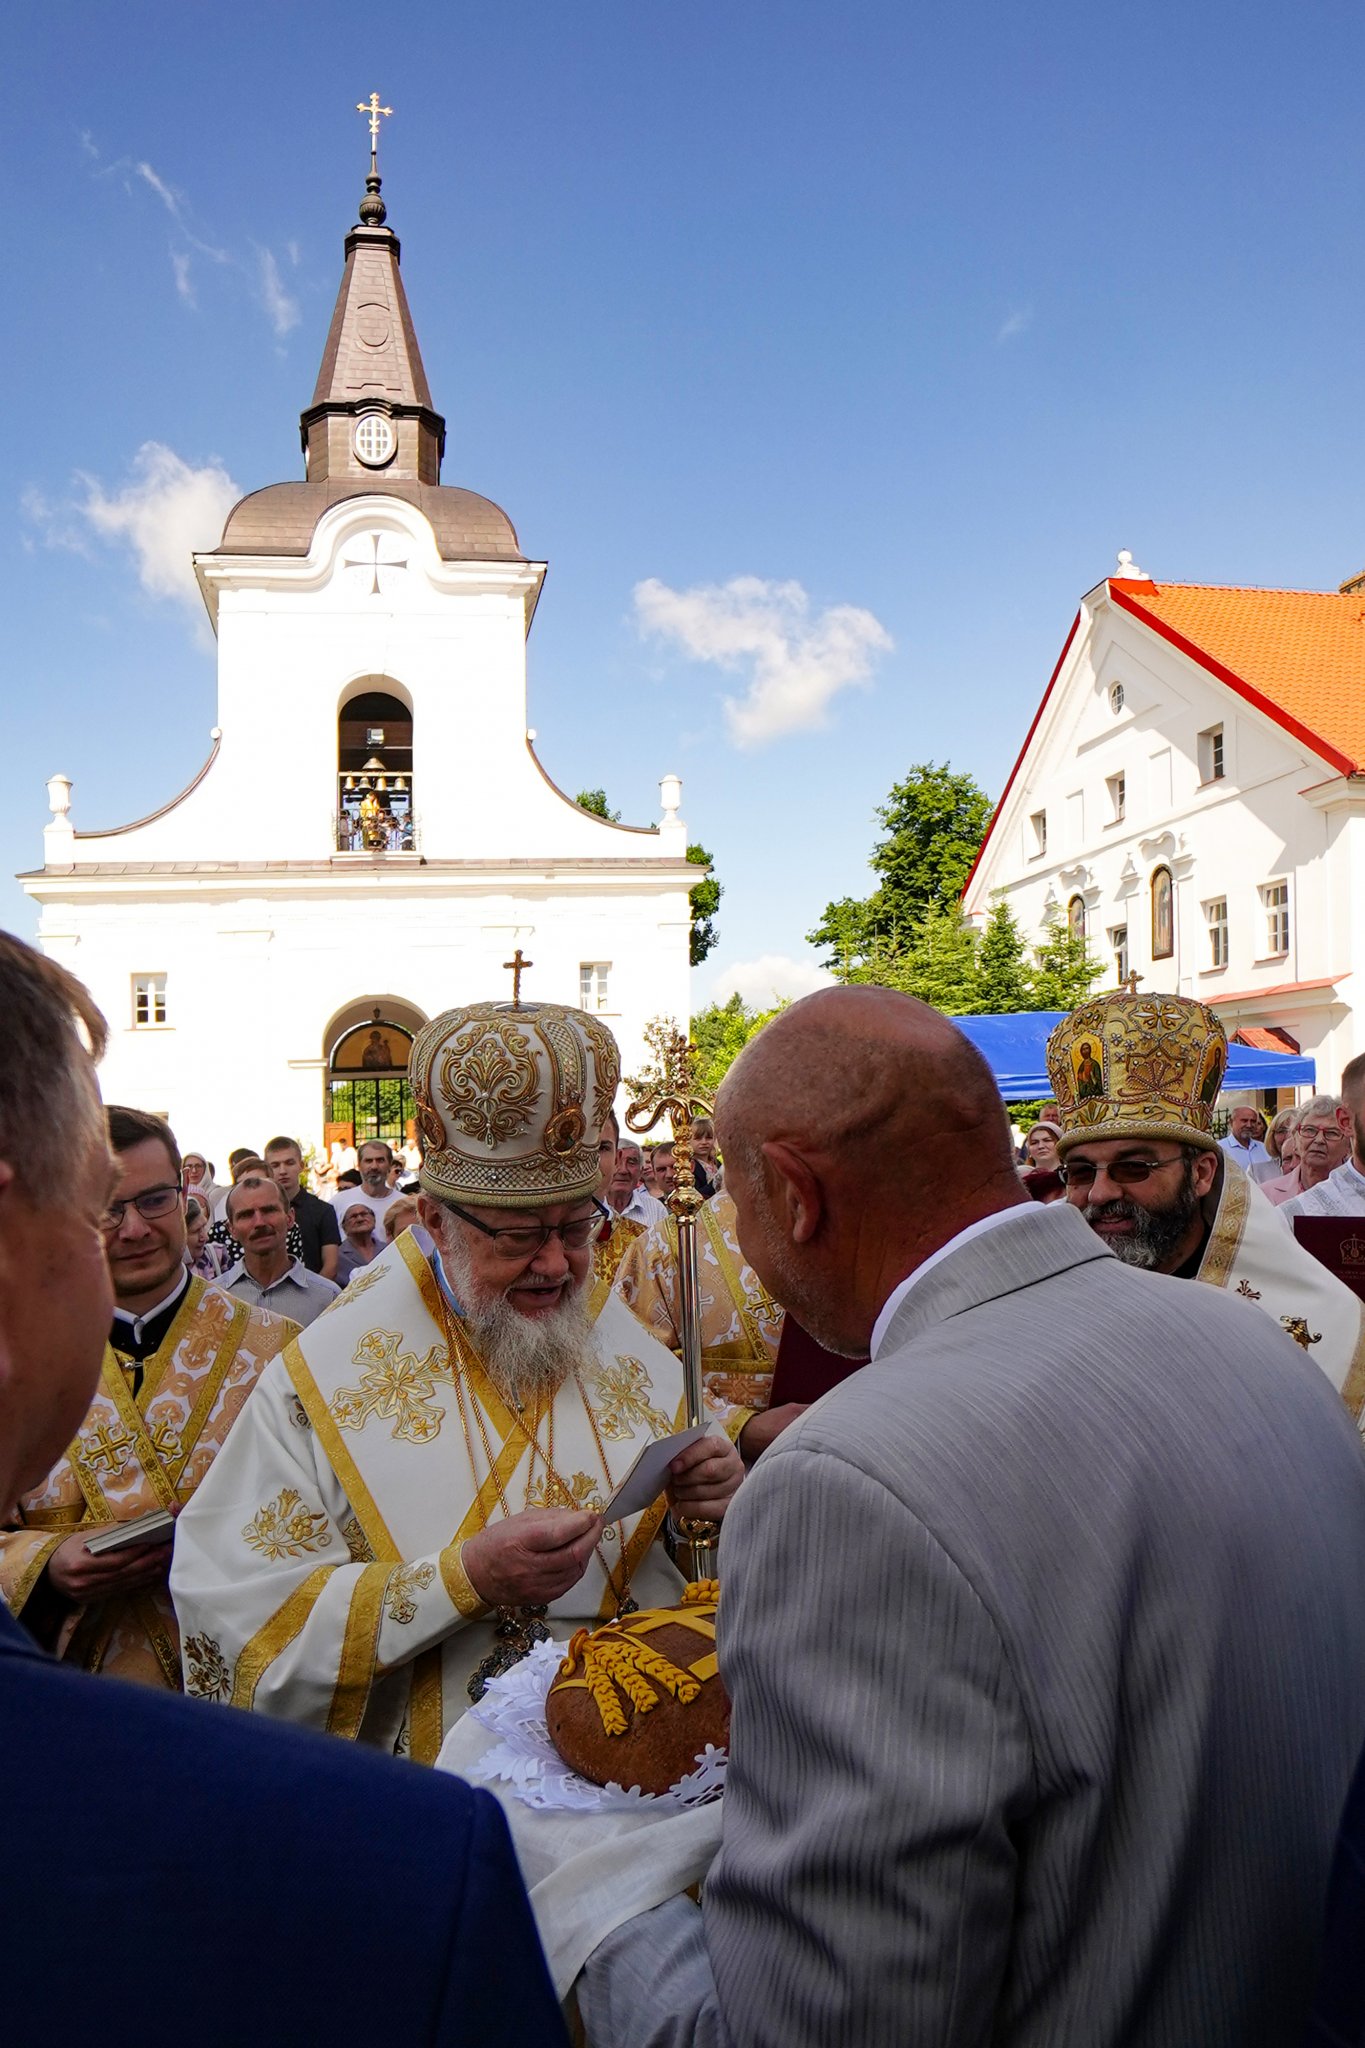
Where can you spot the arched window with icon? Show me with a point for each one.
(1075, 917)
(1163, 914)
(375, 812)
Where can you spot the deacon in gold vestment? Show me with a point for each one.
(1136, 1079)
(741, 1324)
(175, 1377)
(415, 1494)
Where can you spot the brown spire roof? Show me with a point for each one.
(372, 364)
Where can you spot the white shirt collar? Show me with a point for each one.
(977, 1229)
(149, 1315)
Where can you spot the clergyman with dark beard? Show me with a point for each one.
(1142, 1165)
(417, 1498)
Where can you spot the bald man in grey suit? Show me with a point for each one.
(1044, 1633)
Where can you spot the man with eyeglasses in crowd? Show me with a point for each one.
(1142, 1166)
(180, 1360)
(414, 1496)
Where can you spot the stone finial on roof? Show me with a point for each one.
(1129, 570)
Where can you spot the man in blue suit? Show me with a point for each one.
(172, 1872)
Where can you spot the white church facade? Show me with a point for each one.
(262, 963)
(1191, 796)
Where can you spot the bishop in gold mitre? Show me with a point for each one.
(415, 1493)
(181, 1359)
(1137, 1078)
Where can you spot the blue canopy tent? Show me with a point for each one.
(1015, 1045)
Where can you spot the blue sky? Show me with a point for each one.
(860, 338)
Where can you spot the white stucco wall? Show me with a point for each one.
(259, 958)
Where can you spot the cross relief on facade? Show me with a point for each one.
(379, 564)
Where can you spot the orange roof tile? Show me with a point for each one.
(1299, 655)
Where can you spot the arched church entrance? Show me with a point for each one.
(375, 812)
(368, 1094)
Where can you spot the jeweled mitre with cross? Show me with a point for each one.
(511, 1098)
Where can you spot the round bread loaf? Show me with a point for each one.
(636, 1701)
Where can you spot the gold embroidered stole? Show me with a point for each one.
(130, 1453)
(1251, 1253)
(751, 1345)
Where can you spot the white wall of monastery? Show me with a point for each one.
(1279, 813)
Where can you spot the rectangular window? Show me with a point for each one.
(1275, 897)
(1118, 945)
(593, 978)
(1038, 832)
(1216, 914)
(1118, 797)
(1211, 754)
(149, 999)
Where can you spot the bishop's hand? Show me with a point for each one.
(532, 1558)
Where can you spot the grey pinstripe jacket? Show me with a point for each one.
(1045, 1637)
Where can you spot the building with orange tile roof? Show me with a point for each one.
(1191, 794)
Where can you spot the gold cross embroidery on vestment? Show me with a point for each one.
(396, 1385)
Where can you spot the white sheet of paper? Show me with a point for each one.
(644, 1482)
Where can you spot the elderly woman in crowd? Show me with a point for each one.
(209, 1261)
(359, 1242)
(400, 1216)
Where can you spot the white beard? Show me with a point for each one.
(527, 1358)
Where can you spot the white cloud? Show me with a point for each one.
(184, 283)
(176, 207)
(282, 310)
(166, 510)
(1014, 323)
(795, 664)
(768, 980)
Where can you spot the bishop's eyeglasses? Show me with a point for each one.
(1125, 1173)
(528, 1240)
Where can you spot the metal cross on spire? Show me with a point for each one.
(372, 107)
(516, 967)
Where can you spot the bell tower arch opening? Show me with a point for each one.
(367, 1093)
(376, 812)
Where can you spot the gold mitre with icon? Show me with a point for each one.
(1138, 1066)
(510, 1101)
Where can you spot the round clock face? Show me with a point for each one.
(375, 440)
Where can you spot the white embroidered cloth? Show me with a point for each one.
(592, 1856)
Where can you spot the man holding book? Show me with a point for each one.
(180, 1360)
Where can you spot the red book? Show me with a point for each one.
(1337, 1242)
(804, 1369)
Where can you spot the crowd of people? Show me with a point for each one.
(1039, 1615)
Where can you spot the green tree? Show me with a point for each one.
(938, 964)
(705, 902)
(720, 1033)
(1064, 970)
(933, 822)
(595, 800)
(1003, 980)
